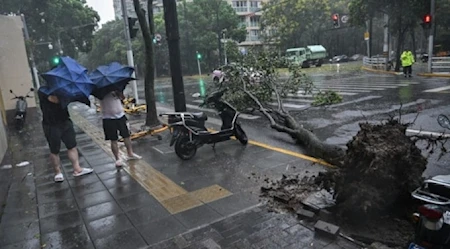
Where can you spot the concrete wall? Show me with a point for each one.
(15, 72)
(3, 139)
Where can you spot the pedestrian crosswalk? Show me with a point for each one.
(443, 89)
(348, 88)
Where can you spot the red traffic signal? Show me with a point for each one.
(336, 22)
(427, 19)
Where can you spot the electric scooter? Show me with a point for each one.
(21, 109)
(189, 131)
(433, 217)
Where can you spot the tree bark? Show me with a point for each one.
(316, 148)
(147, 33)
(413, 38)
(399, 45)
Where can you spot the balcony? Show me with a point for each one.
(240, 9)
(253, 24)
(255, 9)
(252, 38)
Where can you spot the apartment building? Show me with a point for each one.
(249, 12)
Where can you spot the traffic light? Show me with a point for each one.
(427, 21)
(131, 26)
(336, 22)
(199, 56)
(54, 61)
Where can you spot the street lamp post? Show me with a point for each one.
(129, 49)
(33, 64)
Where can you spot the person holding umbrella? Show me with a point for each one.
(66, 83)
(110, 81)
(114, 122)
(58, 127)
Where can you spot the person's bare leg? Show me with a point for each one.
(115, 149)
(56, 163)
(127, 142)
(73, 157)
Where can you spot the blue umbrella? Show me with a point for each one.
(69, 82)
(109, 78)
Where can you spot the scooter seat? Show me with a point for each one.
(200, 116)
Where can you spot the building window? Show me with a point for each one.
(254, 21)
(253, 35)
(254, 6)
(240, 6)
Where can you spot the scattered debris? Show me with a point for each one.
(371, 192)
(326, 229)
(22, 164)
(7, 166)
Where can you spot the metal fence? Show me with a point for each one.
(375, 62)
(440, 64)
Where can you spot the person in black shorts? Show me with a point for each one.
(114, 122)
(58, 127)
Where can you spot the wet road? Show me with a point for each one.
(366, 97)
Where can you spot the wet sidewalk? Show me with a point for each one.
(157, 202)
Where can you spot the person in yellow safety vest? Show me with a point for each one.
(407, 59)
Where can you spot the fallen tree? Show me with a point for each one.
(256, 92)
(374, 177)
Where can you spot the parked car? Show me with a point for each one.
(218, 76)
(339, 59)
(357, 57)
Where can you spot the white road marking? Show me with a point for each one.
(341, 93)
(242, 115)
(288, 105)
(434, 90)
(428, 133)
(363, 85)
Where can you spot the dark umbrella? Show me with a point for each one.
(69, 82)
(109, 78)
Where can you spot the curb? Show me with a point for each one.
(380, 71)
(434, 75)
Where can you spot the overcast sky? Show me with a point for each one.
(104, 8)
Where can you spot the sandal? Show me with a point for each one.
(119, 164)
(84, 171)
(133, 157)
(59, 177)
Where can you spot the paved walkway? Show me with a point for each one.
(158, 202)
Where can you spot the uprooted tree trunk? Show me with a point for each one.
(382, 167)
(287, 124)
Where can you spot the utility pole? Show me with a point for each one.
(386, 41)
(370, 34)
(367, 35)
(173, 40)
(33, 64)
(225, 47)
(129, 50)
(430, 38)
(219, 37)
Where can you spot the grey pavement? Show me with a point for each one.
(110, 209)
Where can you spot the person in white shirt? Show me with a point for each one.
(114, 122)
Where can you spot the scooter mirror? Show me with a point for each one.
(443, 121)
(10, 91)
